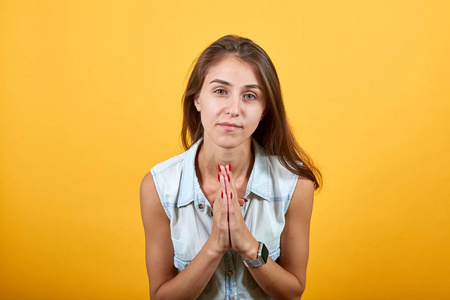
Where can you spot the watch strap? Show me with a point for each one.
(260, 260)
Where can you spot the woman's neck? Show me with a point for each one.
(210, 155)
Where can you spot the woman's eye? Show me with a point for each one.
(220, 91)
(249, 97)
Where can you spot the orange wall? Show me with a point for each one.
(90, 101)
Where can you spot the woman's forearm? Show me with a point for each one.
(189, 283)
(277, 282)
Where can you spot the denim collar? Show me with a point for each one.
(258, 183)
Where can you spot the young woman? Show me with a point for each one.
(229, 218)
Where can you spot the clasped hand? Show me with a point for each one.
(229, 229)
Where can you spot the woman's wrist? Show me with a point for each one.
(213, 251)
(250, 251)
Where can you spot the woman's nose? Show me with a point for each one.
(233, 108)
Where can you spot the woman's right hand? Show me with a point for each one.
(220, 233)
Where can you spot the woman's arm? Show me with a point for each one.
(285, 279)
(164, 280)
(291, 267)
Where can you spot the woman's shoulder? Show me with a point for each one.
(273, 163)
(162, 182)
(167, 175)
(175, 163)
(168, 164)
(279, 172)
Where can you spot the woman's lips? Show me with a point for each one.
(229, 126)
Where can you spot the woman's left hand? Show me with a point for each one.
(241, 240)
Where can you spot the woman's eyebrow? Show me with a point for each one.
(253, 86)
(221, 82)
(248, 86)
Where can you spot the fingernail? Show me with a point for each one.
(218, 167)
(221, 195)
(228, 177)
(229, 167)
(231, 195)
(245, 200)
(218, 177)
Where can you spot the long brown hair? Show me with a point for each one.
(273, 133)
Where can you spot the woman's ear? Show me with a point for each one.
(197, 101)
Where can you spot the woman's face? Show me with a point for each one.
(231, 103)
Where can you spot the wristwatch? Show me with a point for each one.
(260, 260)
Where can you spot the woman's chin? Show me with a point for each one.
(230, 142)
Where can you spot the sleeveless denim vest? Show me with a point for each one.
(269, 191)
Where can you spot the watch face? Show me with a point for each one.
(264, 253)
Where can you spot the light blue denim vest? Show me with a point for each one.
(269, 191)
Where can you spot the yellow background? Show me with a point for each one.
(90, 101)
